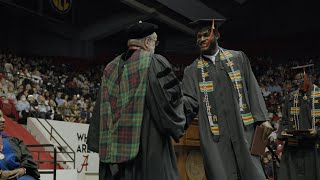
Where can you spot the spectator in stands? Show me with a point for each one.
(90, 111)
(74, 100)
(10, 94)
(84, 115)
(65, 109)
(33, 104)
(4, 84)
(42, 108)
(20, 91)
(287, 88)
(58, 99)
(35, 93)
(66, 99)
(86, 88)
(26, 72)
(81, 101)
(9, 70)
(264, 90)
(36, 77)
(23, 107)
(154, 114)
(274, 87)
(2, 92)
(46, 95)
(52, 107)
(28, 89)
(16, 161)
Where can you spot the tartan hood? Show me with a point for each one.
(122, 105)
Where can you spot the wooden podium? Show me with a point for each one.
(189, 157)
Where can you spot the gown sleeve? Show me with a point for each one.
(26, 159)
(165, 98)
(191, 104)
(257, 104)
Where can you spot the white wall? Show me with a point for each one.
(70, 175)
(75, 134)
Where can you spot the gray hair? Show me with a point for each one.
(140, 42)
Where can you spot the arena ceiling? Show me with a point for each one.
(249, 23)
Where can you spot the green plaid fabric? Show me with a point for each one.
(123, 100)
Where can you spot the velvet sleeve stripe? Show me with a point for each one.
(164, 73)
(171, 84)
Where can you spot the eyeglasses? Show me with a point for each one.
(156, 42)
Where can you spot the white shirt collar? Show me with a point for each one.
(212, 57)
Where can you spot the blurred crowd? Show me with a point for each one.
(37, 86)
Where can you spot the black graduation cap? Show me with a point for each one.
(141, 30)
(303, 69)
(201, 23)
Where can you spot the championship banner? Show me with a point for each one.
(61, 6)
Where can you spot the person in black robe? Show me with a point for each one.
(300, 157)
(223, 81)
(163, 116)
(16, 161)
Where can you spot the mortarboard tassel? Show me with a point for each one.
(304, 80)
(211, 33)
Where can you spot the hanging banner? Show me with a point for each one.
(61, 6)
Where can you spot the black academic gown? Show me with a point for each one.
(17, 156)
(230, 157)
(299, 162)
(163, 119)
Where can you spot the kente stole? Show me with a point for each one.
(207, 88)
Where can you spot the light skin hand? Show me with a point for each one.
(267, 129)
(313, 132)
(284, 133)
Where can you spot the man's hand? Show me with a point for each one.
(267, 129)
(285, 134)
(6, 174)
(313, 132)
(17, 173)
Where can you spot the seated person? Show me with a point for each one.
(23, 107)
(16, 161)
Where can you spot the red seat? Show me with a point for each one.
(12, 101)
(7, 108)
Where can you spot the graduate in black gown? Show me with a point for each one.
(301, 111)
(231, 107)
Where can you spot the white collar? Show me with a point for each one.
(212, 57)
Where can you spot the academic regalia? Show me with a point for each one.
(300, 158)
(18, 156)
(163, 120)
(228, 157)
(231, 106)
